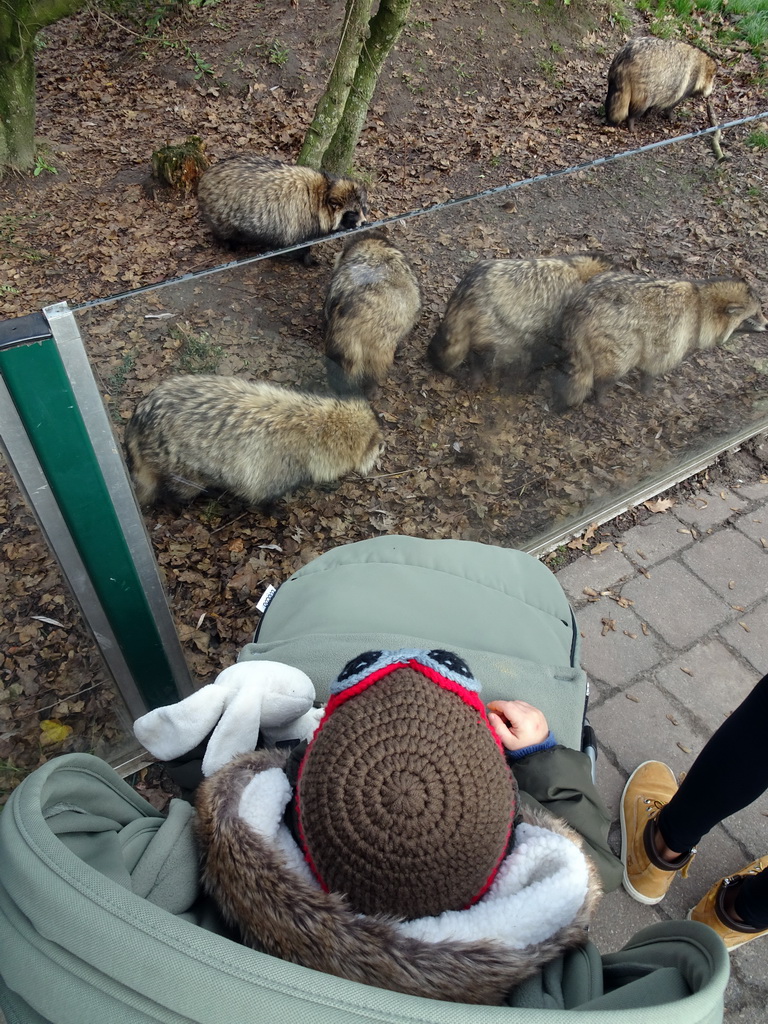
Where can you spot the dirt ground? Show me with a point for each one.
(473, 98)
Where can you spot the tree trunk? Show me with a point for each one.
(385, 29)
(20, 21)
(17, 112)
(332, 103)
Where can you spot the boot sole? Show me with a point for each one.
(734, 945)
(649, 901)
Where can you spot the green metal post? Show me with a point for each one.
(61, 446)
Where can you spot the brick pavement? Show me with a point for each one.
(676, 638)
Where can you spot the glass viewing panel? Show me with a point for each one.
(490, 461)
(57, 696)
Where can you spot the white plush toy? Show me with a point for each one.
(245, 699)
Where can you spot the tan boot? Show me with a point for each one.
(712, 909)
(646, 876)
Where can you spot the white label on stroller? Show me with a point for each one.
(265, 598)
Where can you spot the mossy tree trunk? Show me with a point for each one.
(341, 112)
(330, 107)
(20, 21)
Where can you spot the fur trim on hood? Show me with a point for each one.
(538, 907)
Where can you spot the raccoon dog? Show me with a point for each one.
(265, 202)
(372, 304)
(508, 312)
(256, 441)
(655, 73)
(620, 322)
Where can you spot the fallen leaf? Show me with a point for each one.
(673, 720)
(590, 592)
(645, 629)
(659, 505)
(608, 626)
(745, 627)
(685, 750)
(632, 636)
(598, 549)
(53, 731)
(686, 670)
(632, 697)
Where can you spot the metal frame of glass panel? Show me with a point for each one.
(61, 447)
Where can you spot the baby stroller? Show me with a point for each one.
(101, 914)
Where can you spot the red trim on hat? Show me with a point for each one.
(337, 699)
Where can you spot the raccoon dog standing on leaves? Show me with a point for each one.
(509, 311)
(371, 307)
(256, 441)
(257, 200)
(655, 73)
(620, 322)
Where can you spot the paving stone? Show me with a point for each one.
(689, 607)
(755, 524)
(610, 781)
(748, 971)
(753, 492)
(714, 684)
(599, 572)
(709, 508)
(676, 604)
(615, 657)
(751, 643)
(655, 540)
(637, 730)
(718, 855)
(618, 918)
(734, 566)
(747, 827)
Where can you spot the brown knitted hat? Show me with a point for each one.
(405, 800)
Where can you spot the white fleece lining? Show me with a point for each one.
(262, 806)
(539, 888)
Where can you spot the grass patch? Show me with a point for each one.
(212, 512)
(277, 53)
(758, 138)
(724, 20)
(197, 353)
(116, 381)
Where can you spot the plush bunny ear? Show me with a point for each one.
(244, 699)
(264, 695)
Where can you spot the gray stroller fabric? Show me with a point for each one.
(80, 945)
(500, 610)
(101, 914)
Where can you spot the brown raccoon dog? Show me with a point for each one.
(649, 73)
(372, 304)
(508, 312)
(620, 322)
(255, 440)
(264, 202)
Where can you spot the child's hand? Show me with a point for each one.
(517, 723)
